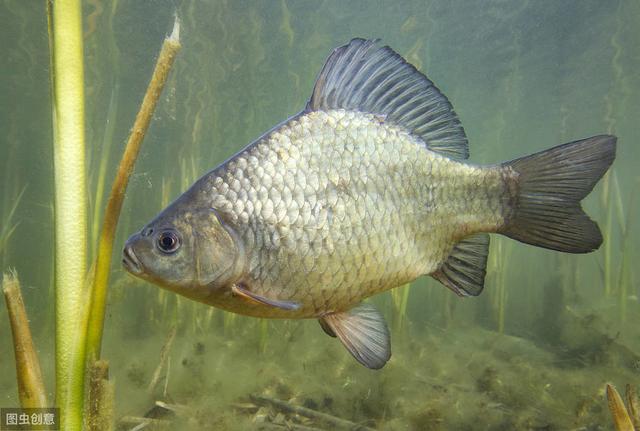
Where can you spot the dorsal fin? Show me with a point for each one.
(365, 77)
(465, 268)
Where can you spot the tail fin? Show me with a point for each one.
(549, 186)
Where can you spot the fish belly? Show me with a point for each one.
(335, 206)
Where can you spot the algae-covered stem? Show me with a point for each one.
(170, 48)
(101, 394)
(70, 203)
(30, 386)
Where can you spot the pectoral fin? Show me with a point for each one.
(363, 331)
(240, 290)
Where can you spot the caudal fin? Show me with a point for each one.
(549, 187)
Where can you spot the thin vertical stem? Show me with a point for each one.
(170, 48)
(65, 18)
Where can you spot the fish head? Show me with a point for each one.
(191, 252)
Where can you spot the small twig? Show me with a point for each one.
(30, 385)
(178, 409)
(140, 426)
(338, 423)
(139, 420)
(164, 354)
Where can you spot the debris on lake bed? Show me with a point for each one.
(477, 378)
(282, 409)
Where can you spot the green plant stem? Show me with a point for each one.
(65, 19)
(107, 139)
(113, 57)
(170, 48)
(400, 296)
(606, 201)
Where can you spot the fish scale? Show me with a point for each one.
(378, 176)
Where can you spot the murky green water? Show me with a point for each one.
(534, 351)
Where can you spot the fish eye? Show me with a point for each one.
(168, 241)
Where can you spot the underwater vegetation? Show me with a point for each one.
(534, 352)
(79, 294)
(625, 418)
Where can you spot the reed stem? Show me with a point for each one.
(31, 389)
(170, 48)
(70, 203)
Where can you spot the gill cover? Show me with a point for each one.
(219, 254)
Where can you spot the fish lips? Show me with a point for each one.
(129, 259)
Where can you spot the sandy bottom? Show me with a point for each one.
(461, 378)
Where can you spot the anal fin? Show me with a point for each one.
(240, 290)
(363, 331)
(465, 268)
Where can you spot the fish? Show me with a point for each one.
(366, 189)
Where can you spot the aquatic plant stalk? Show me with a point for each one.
(170, 48)
(608, 227)
(101, 394)
(625, 222)
(400, 297)
(229, 321)
(264, 335)
(111, 54)
(107, 139)
(632, 406)
(31, 389)
(65, 20)
(164, 357)
(621, 418)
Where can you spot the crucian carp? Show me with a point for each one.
(364, 190)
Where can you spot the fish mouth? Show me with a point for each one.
(130, 260)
